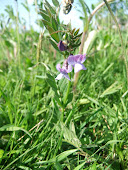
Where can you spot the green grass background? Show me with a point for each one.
(94, 134)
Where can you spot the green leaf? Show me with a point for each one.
(13, 128)
(76, 32)
(53, 34)
(50, 7)
(93, 167)
(70, 97)
(1, 153)
(8, 43)
(26, 7)
(85, 13)
(77, 36)
(80, 166)
(70, 136)
(112, 89)
(46, 23)
(76, 45)
(58, 166)
(24, 167)
(42, 10)
(65, 154)
(45, 16)
(83, 101)
(47, 11)
(73, 31)
(51, 82)
(59, 157)
(92, 100)
(54, 45)
(54, 24)
(56, 3)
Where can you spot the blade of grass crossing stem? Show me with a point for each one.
(13, 128)
(59, 143)
(80, 166)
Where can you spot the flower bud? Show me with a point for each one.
(62, 46)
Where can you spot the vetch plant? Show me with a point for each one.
(65, 40)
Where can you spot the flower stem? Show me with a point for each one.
(84, 36)
(68, 90)
(65, 99)
(62, 115)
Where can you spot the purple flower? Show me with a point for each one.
(76, 61)
(63, 71)
(62, 46)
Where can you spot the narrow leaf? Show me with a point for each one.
(54, 45)
(54, 24)
(56, 3)
(65, 154)
(1, 153)
(111, 89)
(59, 157)
(80, 166)
(50, 7)
(45, 17)
(13, 128)
(53, 34)
(46, 23)
(51, 82)
(76, 32)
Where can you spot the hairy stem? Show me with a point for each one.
(68, 90)
(76, 76)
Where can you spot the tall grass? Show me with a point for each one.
(94, 132)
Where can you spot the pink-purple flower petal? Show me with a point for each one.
(81, 58)
(66, 76)
(76, 61)
(69, 69)
(58, 67)
(59, 76)
(71, 60)
(78, 67)
(63, 71)
(62, 46)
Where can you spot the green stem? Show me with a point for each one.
(65, 98)
(76, 77)
(18, 36)
(62, 115)
(68, 90)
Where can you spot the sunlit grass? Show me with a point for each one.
(94, 131)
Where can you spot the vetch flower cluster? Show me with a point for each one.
(73, 60)
(64, 70)
(76, 61)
